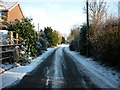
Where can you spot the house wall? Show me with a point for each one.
(15, 13)
(3, 19)
(6, 15)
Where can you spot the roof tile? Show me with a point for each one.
(7, 5)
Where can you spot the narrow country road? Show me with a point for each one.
(60, 70)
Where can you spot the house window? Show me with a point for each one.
(2, 15)
(2, 18)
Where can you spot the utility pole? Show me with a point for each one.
(119, 14)
(87, 7)
(38, 27)
(38, 30)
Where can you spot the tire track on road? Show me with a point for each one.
(74, 76)
(39, 76)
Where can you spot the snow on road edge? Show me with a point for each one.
(95, 66)
(14, 75)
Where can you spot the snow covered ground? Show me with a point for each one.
(14, 75)
(94, 67)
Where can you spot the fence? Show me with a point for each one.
(8, 45)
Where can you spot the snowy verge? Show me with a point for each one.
(14, 75)
(63, 45)
(106, 74)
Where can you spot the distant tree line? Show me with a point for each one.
(102, 40)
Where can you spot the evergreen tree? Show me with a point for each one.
(55, 38)
(48, 32)
(27, 35)
(52, 36)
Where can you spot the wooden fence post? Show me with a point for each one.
(11, 38)
(16, 38)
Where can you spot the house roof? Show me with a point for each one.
(7, 6)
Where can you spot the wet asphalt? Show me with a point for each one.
(58, 70)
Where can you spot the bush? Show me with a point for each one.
(106, 42)
(72, 46)
(74, 38)
(83, 38)
(79, 42)
(102, 44)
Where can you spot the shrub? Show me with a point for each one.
(106, 42)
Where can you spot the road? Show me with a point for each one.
(59, 70)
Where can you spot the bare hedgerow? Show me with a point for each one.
(106, 41)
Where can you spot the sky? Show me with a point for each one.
(61, 15)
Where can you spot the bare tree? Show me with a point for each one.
(97, 11)
(75, 31)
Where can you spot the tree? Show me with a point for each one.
(48, 32)
(60, 37)
(27, 35)
(83, 40)
(103, 34)
(55, 38)
(97, 11)
(52, 36)
(74, 38)
(63, 40)
(74, 32)
(43, 40)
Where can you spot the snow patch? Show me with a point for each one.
(58, 75)
(104, 73)
(14, 75)
(63, 45)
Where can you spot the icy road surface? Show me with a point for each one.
(62, 70)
